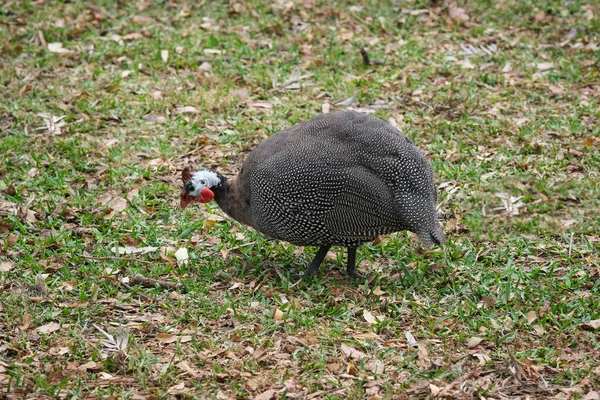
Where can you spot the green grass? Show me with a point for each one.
(508, 122)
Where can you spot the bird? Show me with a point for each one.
(339, 179)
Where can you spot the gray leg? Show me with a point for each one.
(316, 262)
(351, 268)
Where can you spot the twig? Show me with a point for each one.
(571, 244)
(149, 282)
(143, 296)
(117, 258)
(365, 56)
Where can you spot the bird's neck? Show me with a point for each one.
(233, 201)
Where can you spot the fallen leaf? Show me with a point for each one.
(32, 172)
(435, 390)
(182, 256)
(57, 48)
(370, 318)
(166, 338)
(367, 335)
(25, 322)
(353, 353)
(186, 110)
(91, 366)
(115, 203)
(176, 388)
(531, 316)
(186, 367)
(118, 204)
(545, 66)
(133, 36)
(457, 13)
(346, 35)
(133, 250)
(593, 395)
(48, 328)
(593, 324)
(268, 395)
(539, 330)
(474, 341)
(6, 266)
(378, 292)
(133, 193)
(164, 54)
(483, 358)
(377, 367)
(278, 316)
(411, 339)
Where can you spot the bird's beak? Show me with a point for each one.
(184, 200)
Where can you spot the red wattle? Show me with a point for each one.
(206, 195)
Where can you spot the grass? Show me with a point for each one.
(509, 307)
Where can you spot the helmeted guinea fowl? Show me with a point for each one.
(339, 179)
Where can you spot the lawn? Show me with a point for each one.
(109, 290)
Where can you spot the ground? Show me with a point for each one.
(104, 104)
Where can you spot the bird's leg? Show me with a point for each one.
(351, 268)
(316, 262)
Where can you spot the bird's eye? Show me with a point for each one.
(203, 182)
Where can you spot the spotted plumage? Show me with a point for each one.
(338, 179)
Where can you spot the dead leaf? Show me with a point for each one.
(346, 35)
(32, 172)
(593, 324)
(186, 110)
(377, 367)
(435, 390)
(164, 55)
(278, 316)
(539, 330)
(115, 203)
(48, 328)
(263, 104)
(133, 193)
(352, 353)
(57, 48)
(593, 395)
(185, 366)
(474, 341)
(132, 250)
(457, 13)
(365, 336)
(179, 388)
(154, 118)
(52, 123)
(91, 366)
(378, 292)
(6, 266)
(25, 322)
(411, 339)
(133, 36)
(545, 66)
(166, 338)
(370, 318)
(182, 256)
(268, 395)
(531, 316)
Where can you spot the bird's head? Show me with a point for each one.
(197, 186)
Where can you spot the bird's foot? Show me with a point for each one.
(354, 275)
